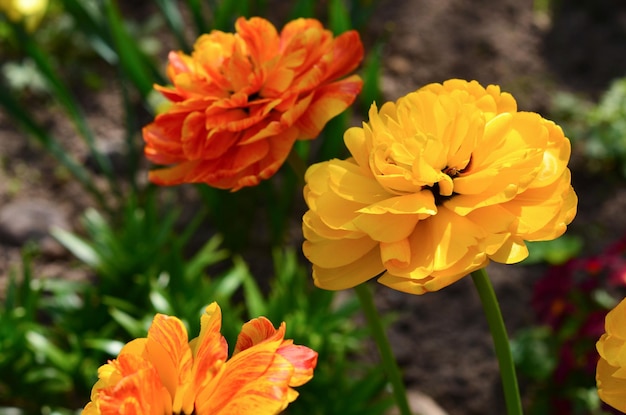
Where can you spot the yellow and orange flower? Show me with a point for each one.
(611, 370)
(166, 374)
(240, 101)
(440, 182)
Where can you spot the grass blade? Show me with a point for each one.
(175, 21)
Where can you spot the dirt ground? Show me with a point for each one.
(441, 340)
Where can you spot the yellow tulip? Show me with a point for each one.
(440, 182)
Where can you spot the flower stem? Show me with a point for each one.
(500, 341)
(384, 347)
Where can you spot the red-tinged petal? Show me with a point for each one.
(270, 126)
(303, 361)
(276, 149)
(178, 63)
(329, 101)
(151, 150)
(194, 136)
(257, 331)
(261, 39)
(138, 390)
(172, 94)
(347, 53)
(218, 143)
(220, 118)
(255, 381)
(180, 173)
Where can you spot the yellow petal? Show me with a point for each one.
(334, 253)
(611, 389)
(351, 275)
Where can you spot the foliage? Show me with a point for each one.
(597, 131)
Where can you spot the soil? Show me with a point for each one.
(441, 340)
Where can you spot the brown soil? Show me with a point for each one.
(441, 340)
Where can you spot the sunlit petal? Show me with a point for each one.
(442, 181)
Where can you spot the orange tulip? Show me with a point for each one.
(165, 374)
(240, 101)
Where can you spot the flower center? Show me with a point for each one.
(439, 193)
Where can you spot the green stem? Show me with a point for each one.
(389, 362)
(500, 341)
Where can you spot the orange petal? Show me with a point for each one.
(261, 39)
(255, 381)
(303, 360)
(257, 331)
(329, 101)
(139, 390)
(210, 352)
(347, 53)
(174, 175)
(167, 348)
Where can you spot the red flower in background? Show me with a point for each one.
(240, 101)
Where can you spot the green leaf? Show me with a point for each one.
(255, 304)
(533, 352)
(175, 21)
(160, 302)
(303, 8)
(108, 346)
(555, 252)
(332, 137)
(60, 91)
(134, 327)
(371, 77)
(132, 59)
(44, 347)
(89, 21)
(195, 6)
(339, 17)
(229, 283)
(77, 246)
(207, 255)
(224, 13)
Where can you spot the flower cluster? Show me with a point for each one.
(439, 183)
(164, 373)
(240, 101)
